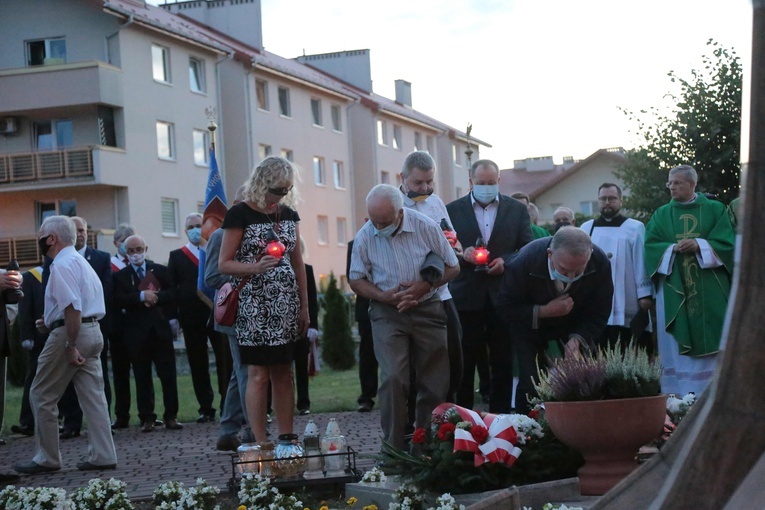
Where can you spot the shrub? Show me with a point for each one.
(337, 341)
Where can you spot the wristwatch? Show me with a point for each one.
(70, 346)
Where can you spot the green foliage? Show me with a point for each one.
(337, 341)
(702, 129)
(612, 373)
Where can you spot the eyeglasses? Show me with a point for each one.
(612, 200)
(676, 183)
(280, 192)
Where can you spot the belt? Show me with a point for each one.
(60, 322)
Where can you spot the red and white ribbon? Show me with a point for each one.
(500, 445)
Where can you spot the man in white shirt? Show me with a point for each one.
(74, 302)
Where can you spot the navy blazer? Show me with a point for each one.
(31, 308)
(191, 310)
(527, 283)
(471, 290)
(140, 320)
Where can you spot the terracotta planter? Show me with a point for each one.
(608, 434)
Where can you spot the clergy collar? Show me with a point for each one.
(616, 221)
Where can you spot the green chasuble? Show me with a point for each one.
(695, 299)
(539, 232)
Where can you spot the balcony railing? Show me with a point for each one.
(45, 165)
(26, 251)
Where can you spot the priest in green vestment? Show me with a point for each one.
(689, 254)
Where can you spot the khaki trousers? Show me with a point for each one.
(53, 375)
(421, 332)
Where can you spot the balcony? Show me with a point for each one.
(26, 252)
(46, 165)
(60, 85)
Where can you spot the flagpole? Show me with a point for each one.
(211, 127)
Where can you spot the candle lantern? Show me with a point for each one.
(334, 446)
(481, 255)
(288, 453)
(267, 459)
(312, 448)
(249, 456)
(275, 248)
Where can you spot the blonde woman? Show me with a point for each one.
(273, 304)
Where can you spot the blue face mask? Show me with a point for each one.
(565, 279)
(195, 235)
(485, 193)
(386, 231)
(121, 249)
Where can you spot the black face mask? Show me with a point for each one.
(43, 244)
(419, 197)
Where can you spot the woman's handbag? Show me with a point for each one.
(227, 303)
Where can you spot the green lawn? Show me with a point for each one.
(330, 391)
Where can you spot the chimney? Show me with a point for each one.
(404, 93)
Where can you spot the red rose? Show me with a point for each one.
(419, 436)
(534, 414)
(480, 434)
(446, 431)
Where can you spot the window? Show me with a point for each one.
(430, 145)
(261, 90)
(53, 134)
(588, 208)
(165, 142)
(169, 217)
(396, 137)
(57, 207)
(417, 141)
(46, 52)
(201, 207)
(318, 171)
(200, 147)
(287, 154)
(337, 124)
(341, 237)
(384, 177)
(382, 132)
(264, 151)
(197, 75)
(107, 135)
(284, 102)
(337, 171)
(160, 63)
(316, 112)
(323, 224)
(456, 154)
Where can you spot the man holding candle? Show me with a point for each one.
(502, 223)
(408, 319)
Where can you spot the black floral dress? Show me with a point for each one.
(269, 303)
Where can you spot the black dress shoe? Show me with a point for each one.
(2, 442)
(304, 412)
(206, 418)
(33, 468)
(120, 424)
(24, 430)
(87, 466)
(147, 427)
(69, 434)
(158, 423)
(228, 443)
(365, 407)
(173, 424)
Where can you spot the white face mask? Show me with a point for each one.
(485, 193)
(137, 258)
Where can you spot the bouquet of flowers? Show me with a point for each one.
(462, 451)
(175, 496)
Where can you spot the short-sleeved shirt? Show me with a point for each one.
(72, 282)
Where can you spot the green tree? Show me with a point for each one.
(702, 129)
(337, 341)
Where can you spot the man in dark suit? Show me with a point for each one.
(10, 292)
(100, 262)
(368, 367)
(33, 340)
(556, 289)
(503, 225)
(193, 315)
(145, 291)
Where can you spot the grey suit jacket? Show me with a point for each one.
(213, 277)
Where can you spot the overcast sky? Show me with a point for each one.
(534, 77)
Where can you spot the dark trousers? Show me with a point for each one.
(301, 373)
(481, 330)
(195, 338)
(69, 405)
(367, 363)
(121, 373)
(26, 417)
(224, 363)
(160, 352)
(529, 353)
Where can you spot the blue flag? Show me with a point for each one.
(212, 219)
